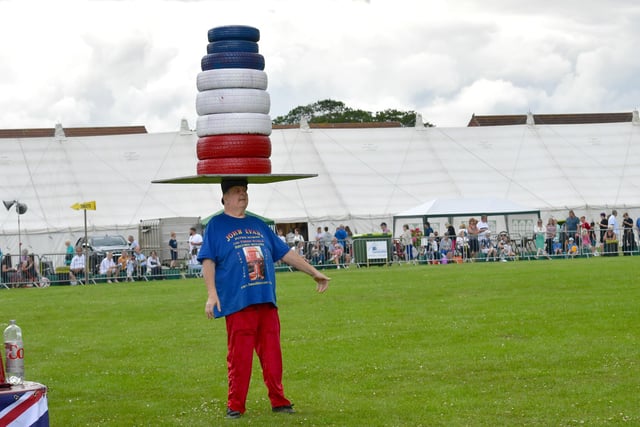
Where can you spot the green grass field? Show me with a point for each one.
(544, 343)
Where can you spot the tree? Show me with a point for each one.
(330, 111)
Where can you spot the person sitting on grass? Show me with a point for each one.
(488, 249)
(109, 268)
(154, 265)
(572, 248)
(28, 268)
(505, 248)
(557, 247)
(337, 251)
(446, 245)
(76, 269)
(123, 260)
(10, 275)
(141, 262)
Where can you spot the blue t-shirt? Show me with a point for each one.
(244, 251)
(572, 224)
(341, 235)
(173, 244)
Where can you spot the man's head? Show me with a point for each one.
(235, 190)
(192, 230)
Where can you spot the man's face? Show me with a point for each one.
(236, 197)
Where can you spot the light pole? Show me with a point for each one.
(21, 208)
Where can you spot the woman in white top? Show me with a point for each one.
(154, 265)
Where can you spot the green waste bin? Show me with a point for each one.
(375, 248)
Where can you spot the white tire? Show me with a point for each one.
(219, 124)
(225, 78)
(232, 101)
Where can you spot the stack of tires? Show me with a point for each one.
(233, 105)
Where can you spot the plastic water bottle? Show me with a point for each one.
(14, 352)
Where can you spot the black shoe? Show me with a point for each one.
(286, 409)
(231, 414)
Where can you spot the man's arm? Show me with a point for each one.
(299, 263)
(209, 274)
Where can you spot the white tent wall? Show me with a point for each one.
(365, 176)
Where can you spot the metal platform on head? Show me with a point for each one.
(217, 179)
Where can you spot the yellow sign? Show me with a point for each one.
(91, 206)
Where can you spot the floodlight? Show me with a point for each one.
(21, 209)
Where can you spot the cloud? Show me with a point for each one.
(132, 62)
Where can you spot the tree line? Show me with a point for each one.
(330, 111)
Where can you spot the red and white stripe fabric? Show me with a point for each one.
(19, 408)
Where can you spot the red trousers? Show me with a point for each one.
(256, 327)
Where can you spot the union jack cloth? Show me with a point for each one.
(24, 406)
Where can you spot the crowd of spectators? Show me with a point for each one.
(324, 248)
(30, 270)
(474, 240)
(568, 238)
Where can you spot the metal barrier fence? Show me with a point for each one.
(53, 269)
(500, 247)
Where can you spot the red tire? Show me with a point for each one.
(234, 166)
(233, 145)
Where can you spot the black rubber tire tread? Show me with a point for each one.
(232, 46)
(232, 166)
(215, 61)
(233, 32)
(233, 145)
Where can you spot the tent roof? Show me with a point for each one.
(465, 206)
(365, 175)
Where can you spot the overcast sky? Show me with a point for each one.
(127, 62)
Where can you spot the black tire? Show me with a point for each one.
(232, 46)
(233, 145)
(234, 32)
(233, 166)
(216, 61)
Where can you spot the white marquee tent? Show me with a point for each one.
(365, 176)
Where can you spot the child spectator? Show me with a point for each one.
(131, 266)
(572, 248)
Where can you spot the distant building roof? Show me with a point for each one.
(550, 119)
(72, 132)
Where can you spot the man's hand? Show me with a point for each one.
(211, 303)
(322, 282)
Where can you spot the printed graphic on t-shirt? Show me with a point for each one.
(255, 262)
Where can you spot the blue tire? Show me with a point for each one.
(216, 61)
(234, 32)
(232, 46)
